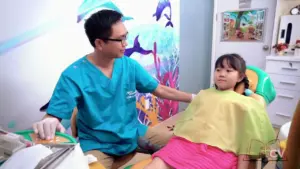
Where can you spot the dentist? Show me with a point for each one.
(102, 86)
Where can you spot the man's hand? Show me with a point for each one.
(47, 127)
(166, 92)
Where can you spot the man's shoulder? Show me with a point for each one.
(75, 68)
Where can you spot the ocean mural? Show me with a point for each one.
(153, 41)
(157, 50)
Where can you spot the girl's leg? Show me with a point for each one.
(158, 163)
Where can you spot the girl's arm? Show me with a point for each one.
(243, 162)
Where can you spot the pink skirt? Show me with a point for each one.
(180, 153)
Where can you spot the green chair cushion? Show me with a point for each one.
(265, 87)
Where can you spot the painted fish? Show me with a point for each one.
(161, 6)
(136, 48)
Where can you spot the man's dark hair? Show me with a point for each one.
(99, 24)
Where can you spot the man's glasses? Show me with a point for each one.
(123, 40)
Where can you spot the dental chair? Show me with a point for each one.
(263, 91)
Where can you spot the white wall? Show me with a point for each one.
(283, 8)
(29, 72)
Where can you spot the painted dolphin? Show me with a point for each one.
(89, 5)
(136, 48)
(163, 4)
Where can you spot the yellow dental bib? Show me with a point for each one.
(227, 120)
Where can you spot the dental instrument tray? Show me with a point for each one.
(60, 152)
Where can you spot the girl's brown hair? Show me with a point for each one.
(236, 62)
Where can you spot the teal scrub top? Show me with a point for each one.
(107, 118)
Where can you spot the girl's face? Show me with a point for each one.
(226, 77)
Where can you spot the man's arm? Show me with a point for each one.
(44, 109)
(62, 102)
(64, 99)
(166, 92)
(147, 84)
(50, 116)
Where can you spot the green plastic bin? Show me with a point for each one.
(26, 135)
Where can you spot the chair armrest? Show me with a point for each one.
(168, 122)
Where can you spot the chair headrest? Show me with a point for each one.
(260, 83)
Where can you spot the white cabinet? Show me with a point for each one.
(284, 72)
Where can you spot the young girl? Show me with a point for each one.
(221, 128)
